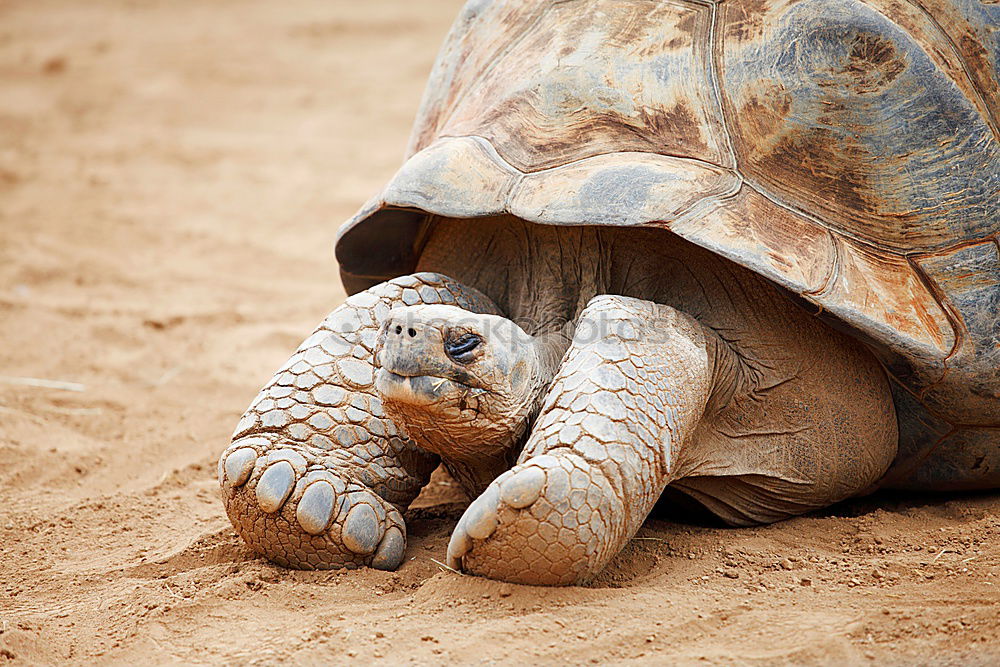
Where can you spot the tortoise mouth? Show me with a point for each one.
(421, 390)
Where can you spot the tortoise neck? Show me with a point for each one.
(540, 276)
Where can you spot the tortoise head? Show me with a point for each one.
(462, 385)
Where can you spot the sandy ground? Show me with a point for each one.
(171, 176)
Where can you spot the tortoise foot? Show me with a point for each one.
(547, 521)
(292, 509)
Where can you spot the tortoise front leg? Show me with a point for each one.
(317, 475)
(628, 395)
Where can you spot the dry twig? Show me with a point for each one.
(440, 564)
(43, 383)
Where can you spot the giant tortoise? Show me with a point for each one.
(747, 250)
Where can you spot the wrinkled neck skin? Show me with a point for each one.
(543, 276)
(540, 276)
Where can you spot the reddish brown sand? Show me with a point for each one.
(171, 176)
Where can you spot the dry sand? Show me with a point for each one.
(171, 177)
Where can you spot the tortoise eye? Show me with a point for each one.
(462, 348)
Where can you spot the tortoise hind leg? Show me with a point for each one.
(317, 476)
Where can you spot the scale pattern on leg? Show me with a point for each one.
(629, 391)
(317, 475)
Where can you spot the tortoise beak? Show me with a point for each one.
(422, 390)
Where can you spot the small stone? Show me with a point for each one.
(730, 573)
(506, 590)
(786, 564)
(54, 65)
(805, 581)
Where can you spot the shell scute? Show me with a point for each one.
(545, 100)
(838, 112)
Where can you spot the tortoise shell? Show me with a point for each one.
(847, 150)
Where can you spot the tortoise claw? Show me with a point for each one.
(298, 513)
(543, 522)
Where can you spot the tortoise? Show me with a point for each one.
(744, 253)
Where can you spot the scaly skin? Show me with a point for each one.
(317, 476)
(635, 381)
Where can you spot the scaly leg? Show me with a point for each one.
(631, 389)
(317, 476)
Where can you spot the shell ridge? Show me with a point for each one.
(763, 192)
(491, 152)
(836, 267)
(507, 165)
(714, 78)
(572, 163)
(698, 208)
(957, 326)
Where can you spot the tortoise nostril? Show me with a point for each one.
(399, 329)
(412, 332)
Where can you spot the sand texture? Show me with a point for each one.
(172, 174)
